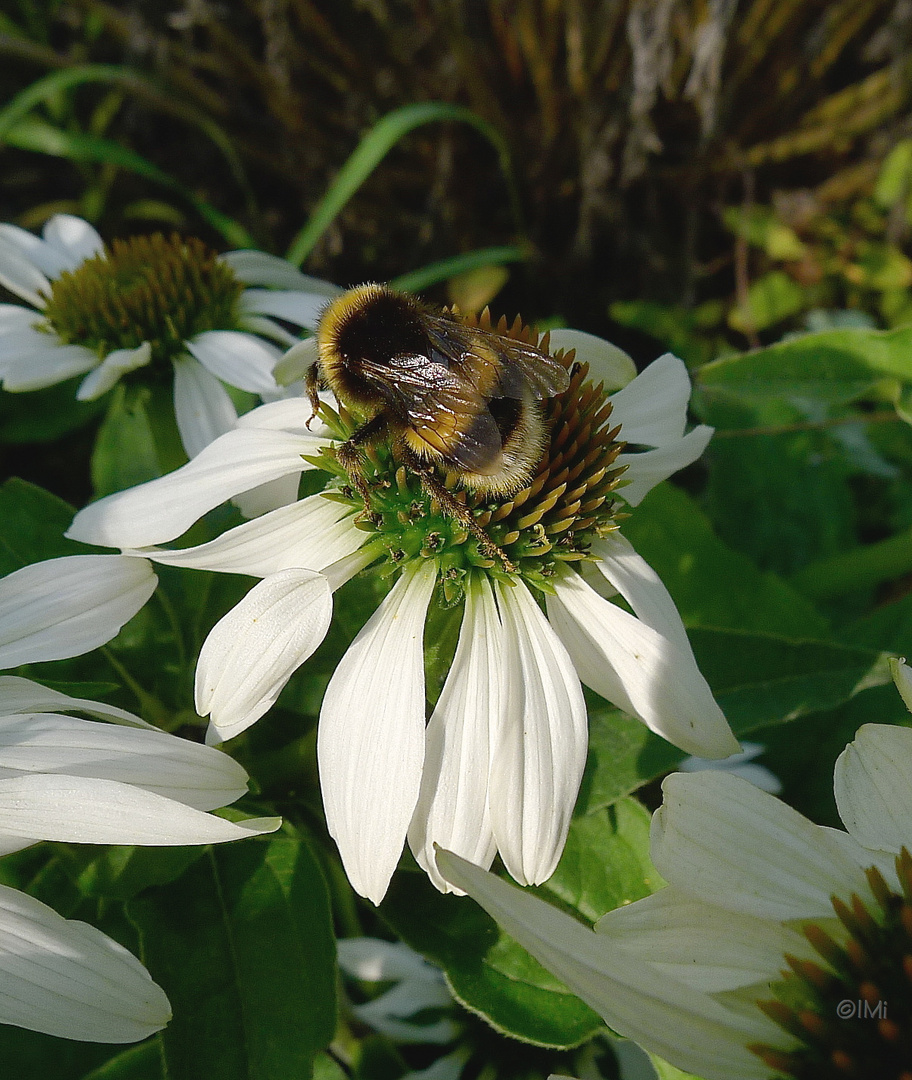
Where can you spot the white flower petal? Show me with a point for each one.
(22, 695)
(375, 960)
(260, 268)
(679, 1023)
(289, 414)
(252, 651)
(64, 607)
(19, 272)
(607, 363)
(651, 467)
(84, 810)
(538, 761)
(50, 259)
(76, 238)
(13, 319)
(107, 374)
(203, 407)
(195, 775)
(164, 508)
(311, 533)
(239, 359)
(638, 669)
(296, 362)
(452, 809)
(724, 841)
(267, 497)
(292, 305)
(700, 944)
(66, 978)
(45, 365)
(370, 738)
(640, 586)
(391, 1013)
(652, 409)
(872, 787)
(272, 331)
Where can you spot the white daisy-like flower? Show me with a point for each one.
(104, 311)
(741, 764)
(498, 766)
(69, 779)
(779, 948)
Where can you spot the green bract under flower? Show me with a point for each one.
(158, 289)
(552, 519)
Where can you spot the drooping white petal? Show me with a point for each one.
(267, 497)
(15, 318)
(252, 651)
(164, 508)
(296, 362)
(289, 414)
(607, 363)
(269, 329)
(310, 533)
(22, 695)
(195, 775)
(679, 1023)
(66, 978)
(19, 272)
(292, 305)
(64, 607)
(651, 467)
(452, 809)
(902, 677)
(741, 764)
(537, 762)
(109, 371)
(400, 1013)
(203, 407)
(74, 237)
(45, 365)
(370, 738)
(640, 586)
(375, 960)
(260, 268)
(700, 944)
(724, 841)
(638, 669)
(872, 788)
(87, 810)
(239, 359)
(652, 409)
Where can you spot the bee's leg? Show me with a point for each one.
(312, 385)
(348, 454)
(435, 487)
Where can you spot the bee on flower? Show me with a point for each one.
(528, 570)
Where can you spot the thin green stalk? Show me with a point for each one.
(371, 150)
(416, 280)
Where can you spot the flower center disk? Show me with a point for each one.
(154, 288)
(851, 1015)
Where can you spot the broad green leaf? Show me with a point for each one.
(759, 226)
(770, 299)
(44, 415)
(25, 1055)
(895, 179)
(712, 584)
(831, 368)
(487, 971)
(243, 946)
(120, 873)
(142, 1062)
(32, 524)
(124, 453)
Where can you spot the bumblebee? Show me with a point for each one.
(453, 398)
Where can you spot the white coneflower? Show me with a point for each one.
(167, 302)
(68, 779)
(499, 765)
(778, 949)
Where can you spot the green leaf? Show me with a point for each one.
(41, 416)
(243, 946)
(124, 453)
(486, 970)
(374, 146)
(831, 368)
(712, 584)
(769, 300)
(120, 873)
(32, 524)
(895, 179)
(759, 226)
(142, 1062)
